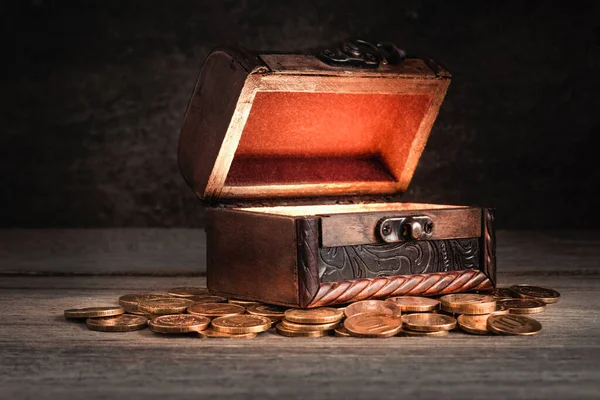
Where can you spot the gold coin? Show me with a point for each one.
(415, 304)
(266, 310)
(467, 303)
(341, 331)
(188, 291)
(428, 322)
(373, 325)
(513, 325)
(294, 333)
(523, 306)
(373, 306)
(120, 323)
(243, 303)
(207, 299)
(171, 305)
(314, 315)
(544, 295)
(131, 301)
(407, 332)
(215, 309)
(94, 312)
(497, 293)
(212, 334)
(308, 327)
(178, 323)
(474, 324)
(243, 323)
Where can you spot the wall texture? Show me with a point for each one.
(93, 96)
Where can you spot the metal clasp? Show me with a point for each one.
(363, 54)
(403, 229)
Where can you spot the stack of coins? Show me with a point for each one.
(372, 319)
(427, 324)
(193, 310)
(107, 318)
(309, 323)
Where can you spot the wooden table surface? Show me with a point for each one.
(44, 356)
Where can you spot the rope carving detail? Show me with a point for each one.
(416, 284)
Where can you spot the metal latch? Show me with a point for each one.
(403, 229)
(363, 54)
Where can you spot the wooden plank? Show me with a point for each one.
(103, 251)
(179, 251)
(548, 252)
(43, 353)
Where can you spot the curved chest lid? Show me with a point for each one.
(290, 126)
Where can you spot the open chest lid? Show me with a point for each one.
(262, 126)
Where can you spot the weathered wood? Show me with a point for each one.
(252, 256)
(128, 251)
(206, 121)
(183, 251)
(44, 354)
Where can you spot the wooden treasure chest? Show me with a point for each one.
(302, 160)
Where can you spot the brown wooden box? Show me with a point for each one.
(301, 165)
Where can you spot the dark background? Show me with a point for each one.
(93, 94)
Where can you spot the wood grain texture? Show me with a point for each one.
(420, 140)
(68, 360)
(252, 256)
(44, 356)
(137, 251)
(208, 114)
(123, 251)
(361, 227)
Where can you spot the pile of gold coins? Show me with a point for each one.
(194, 310)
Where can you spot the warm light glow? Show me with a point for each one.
(323, 209)
(302, 138)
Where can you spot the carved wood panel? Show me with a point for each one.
(379, 260)
(307, 252)
(489, 245)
